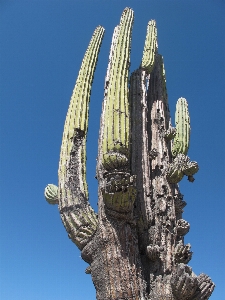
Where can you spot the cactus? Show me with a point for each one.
(77, 216)
(205, 287)
(182, 253)
(51, 194)
(182, 119)
(75, 128)
(181, 164)
(184, 283)
(182, 227)
(150, 47)
(135, 245)
(115, 144)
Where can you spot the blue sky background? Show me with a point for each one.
(42, 46)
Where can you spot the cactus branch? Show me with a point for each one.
(78, 217)
(181, 166)
(115, 141)
(150, 48)
(182, 119)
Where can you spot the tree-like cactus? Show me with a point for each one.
(135, 246)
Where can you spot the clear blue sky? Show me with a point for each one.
(42, 46)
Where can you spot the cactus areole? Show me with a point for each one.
(135, 245)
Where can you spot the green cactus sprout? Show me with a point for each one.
(182, 120)
(51, 194)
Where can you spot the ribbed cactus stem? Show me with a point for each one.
(150, 48)
(77, 115)
(182, 119)
(115, 141)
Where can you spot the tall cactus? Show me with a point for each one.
(135, 247)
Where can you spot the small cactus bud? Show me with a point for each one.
(51, 194)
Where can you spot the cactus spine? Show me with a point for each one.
(135, 247)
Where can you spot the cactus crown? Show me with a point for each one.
(150, 48)
(182, 120)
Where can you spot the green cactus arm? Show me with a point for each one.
(115, 142)
(182, 120)
(77, 115)
(76, 213)
(150, 48)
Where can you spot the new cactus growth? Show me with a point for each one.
(135, 246)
